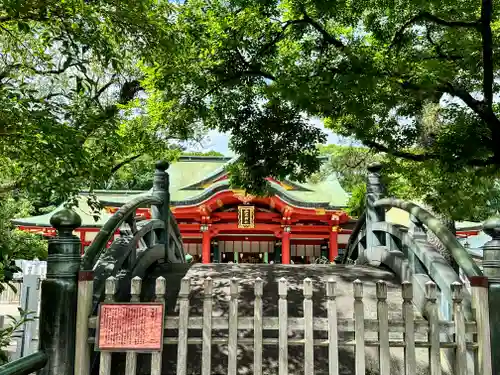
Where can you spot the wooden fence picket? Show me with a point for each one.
(333, 351)
(359, 324)
(409, 329)
(283, 327)
(479, 289)
(257, 327)
(460, 337)
(233, 327)
(433, 318)
(182, 345)
(308, 328)
(135, 296)
(206, 359)
(109, 296)
(383, 329)
(156, 357)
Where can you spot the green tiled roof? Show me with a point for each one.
(194, 179)
(83, 210)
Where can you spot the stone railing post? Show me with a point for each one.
(161, 185)
(491, 269)
(58, 306)
(374, 192)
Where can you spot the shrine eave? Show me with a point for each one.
(223, 186)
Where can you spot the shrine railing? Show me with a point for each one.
(26, 365)
(162, 221)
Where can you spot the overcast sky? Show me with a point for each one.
(220, 142)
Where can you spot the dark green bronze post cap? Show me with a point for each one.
(375, 167)
(162, 165)
(492, 227)
(66, 219)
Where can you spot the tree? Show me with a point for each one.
(459, 195)
(69, 79)
(14, 243)
(372, 70)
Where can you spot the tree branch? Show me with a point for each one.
(424, 157)
(401, 154)
(326, 35)
(487, 41)
(27, 17)
(67, 64)
(479, 107)
(123, 163)
(104, 88)
(426, 16)
(438, 48)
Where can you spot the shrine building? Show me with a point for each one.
(297, 223)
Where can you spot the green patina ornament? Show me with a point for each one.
(162, 165)
(66, 219)
(492, 226)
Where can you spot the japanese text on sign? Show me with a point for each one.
(246, 217)
(130, 326)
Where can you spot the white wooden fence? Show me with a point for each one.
(469, 337)
(27, 296)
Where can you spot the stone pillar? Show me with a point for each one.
(161, 183)
(491, 269)
(374, 192)
(58, 305)
(285, 246)
(205, 245)
(334, 244)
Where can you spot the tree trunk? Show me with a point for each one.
(434, 241)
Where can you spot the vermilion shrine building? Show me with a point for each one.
(297, 223)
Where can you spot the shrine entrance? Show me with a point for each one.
(247, 249)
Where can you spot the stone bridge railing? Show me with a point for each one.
(406, 251)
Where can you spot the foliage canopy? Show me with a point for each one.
(467, 194)
(372, 70)
(68, 70)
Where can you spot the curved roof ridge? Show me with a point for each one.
(214, 175)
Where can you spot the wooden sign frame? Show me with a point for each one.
(121, 347)
(251, 213)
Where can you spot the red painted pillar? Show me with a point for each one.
(205, 247)
(285, 247)
(334, 244)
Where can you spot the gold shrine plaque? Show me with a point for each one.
(246, 217)
(130, 327)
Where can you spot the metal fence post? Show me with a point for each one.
(161, 186)
(59, 296)
(491, 269)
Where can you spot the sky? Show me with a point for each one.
(219, 142)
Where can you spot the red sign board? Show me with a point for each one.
(130, 326)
